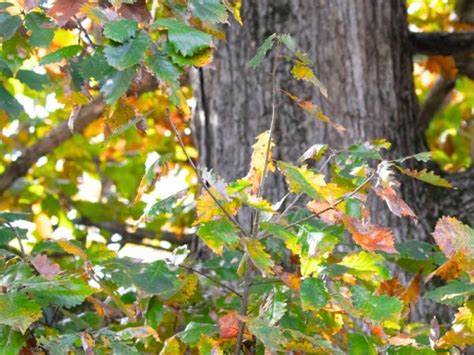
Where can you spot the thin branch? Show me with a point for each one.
(435, 99)
(243, 307)
(212, 279)
(201, 180)
(84, 31)
(339, 201)
(442, 43)
(269, 143)
(288, 208)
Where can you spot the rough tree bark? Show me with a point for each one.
(362, 53)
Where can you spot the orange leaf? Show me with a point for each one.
(369, 236)
(229, 325)
(324, 211)
(395, 204)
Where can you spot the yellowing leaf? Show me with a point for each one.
(301, 71)
(72, 249)
(302, 180)
(314, 110)
(257, 163)
(121, 115)
(208, 210)
(234, 7)
(172, 347)
(369, 236)
(218, 233)
(258, 255)
(426, 176)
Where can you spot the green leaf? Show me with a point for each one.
(117, 85)
(358, 344)
(302, 180)
(259, 256)
(288, 41)
(262, 51)
(11, 341)
(95, 66)
(5, 5)
(218, 233)
(62, 53)
(164, 68)
(42, 29)
(278, 306)
(155, 312)
(423, 157)
(426, 176)
(34, 80)
(271, 336)
(366, 266)
(9, 104)
(65, 292)
(451, 294)
(8, 25)
(14, 216)
(193, 332)
(157, 279)
(121, 30)
(314, 294)
(377, 308)
(18, 311)
(6, 235)
(211, 11)
(129, 53)
(186, 39)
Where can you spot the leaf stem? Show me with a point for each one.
(201, 180)
(212, 279)
(13, 229)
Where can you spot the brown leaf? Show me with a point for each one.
(229, 325)
(453, 237)
(136, 11)
(45, 267)
(448, 271)
(63, 10)
(395, 204)
(411, 293)
(369, 236)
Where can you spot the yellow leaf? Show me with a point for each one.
(208, 210)
(122, 113)
(44, 229)
(301, 71)
(72, 249)
(258, 160)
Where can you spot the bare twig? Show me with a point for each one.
(201, 180)
(84, 31)
(212, 279)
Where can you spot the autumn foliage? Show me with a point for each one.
(308, 273)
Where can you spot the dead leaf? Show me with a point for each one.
(395, 204)
(45, 267)
(63, 10)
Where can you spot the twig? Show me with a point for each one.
(84, 31)
(243, 307)
(269, 143)
(289, 207)
(212, 279)
(339, 201)
(201, 180)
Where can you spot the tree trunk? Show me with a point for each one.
(362, 54)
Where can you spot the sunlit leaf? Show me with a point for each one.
(184, 38)
(370, 236)
(302, 180)
(258, 161)
(217, 234)
(426, 176)
(18, 311)
(394, 202)
(377, 308)
(301, 71)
